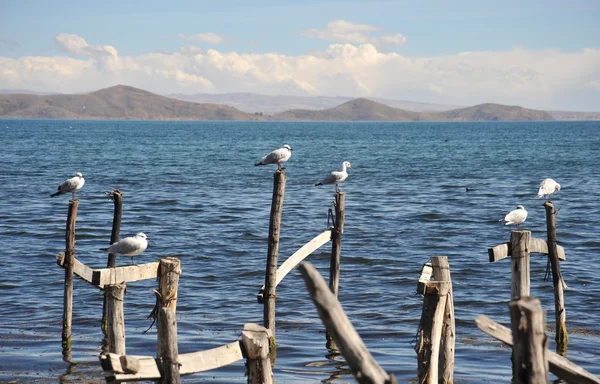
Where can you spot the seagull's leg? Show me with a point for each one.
(132, 260)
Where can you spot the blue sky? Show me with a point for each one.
(423, 39)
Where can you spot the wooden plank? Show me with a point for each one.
(79, 269)
(301, 254)
(167, 328)
(338, 325)
(68, 287)
(560, 366)
(193, 362)
(119, 275)
(115, 320)
(336, 244)
(502, 251)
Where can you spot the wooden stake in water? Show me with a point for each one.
(68, 291)
(115, 319)
(336, 252)
(519, 244)
(530, 343)
(441, 272)
(168, 283)
(279, 180)
(562, 337)
(117, 198)
(167, 329)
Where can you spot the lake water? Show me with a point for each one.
(193, 189)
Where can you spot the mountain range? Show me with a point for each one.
(125, 102)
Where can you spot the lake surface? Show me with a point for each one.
(193, 189)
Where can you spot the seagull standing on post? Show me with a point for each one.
(278, 156)
(72, 185)
(129, 246)
(548, 187)
(518, 216)
(336, 177)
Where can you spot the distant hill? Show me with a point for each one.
(574, 116)
(354, 110)
(118, 102)
(268, 105)
(494, 112)
(124, 102)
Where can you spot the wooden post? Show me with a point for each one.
(167, 329)
(68, 291)
(168, 281)
(430, 331)
(336, 243)
(519, 270)
(562, 337)
(279, 180)
(530, 365)
(256, 345)
(441, 272)
(115, 320)
(363, 365)
(117, 198)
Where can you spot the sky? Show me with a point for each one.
(542, 54)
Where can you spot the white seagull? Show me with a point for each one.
(548, 187)
(518, 216)
(336, 177)
(72, 185)
(278, 156)
(129, 246)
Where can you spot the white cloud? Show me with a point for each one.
(209, 37)
(342, 31)
(546, 79)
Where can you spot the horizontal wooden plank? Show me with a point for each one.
(190, 363)
(130, 273)
(502, 251)
(560, 366)
(79, 269)
(297, 257)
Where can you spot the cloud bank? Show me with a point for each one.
(546, 79)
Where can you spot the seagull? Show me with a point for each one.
(129, 246)
(518, 216)
(548, 187)
(72, 185)
(336, 177)
(278, 156)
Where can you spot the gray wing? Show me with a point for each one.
(129, 246)
(275, 156)
(334, 177)
(69, 185)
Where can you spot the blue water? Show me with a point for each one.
(193, 189)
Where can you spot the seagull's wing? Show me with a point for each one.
(515, 217)
(546, 187)
(275, 157)
(335, 177)
(129, 246)
(69, 185)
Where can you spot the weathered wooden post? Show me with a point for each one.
(519, 271)
(117, 198)
(279, 180)
(68, 289)
(363, 365)
(441, 272)
(430, 331)
(256, 346)
(530, 365)
(169, 271)
(114, 318)
(336, 243)
(167, 329)
(562, 337)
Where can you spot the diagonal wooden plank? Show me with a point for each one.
(560, 366)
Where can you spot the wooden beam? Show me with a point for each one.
(115, 320)
(119, 275)
(297, 257)
(519, 264)
(68, 285)
(108, 276)
(194, 362)
(559, 365)
(363, 365)
(167, 327)
(502, 251)
(79, 269)
(256, 345)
